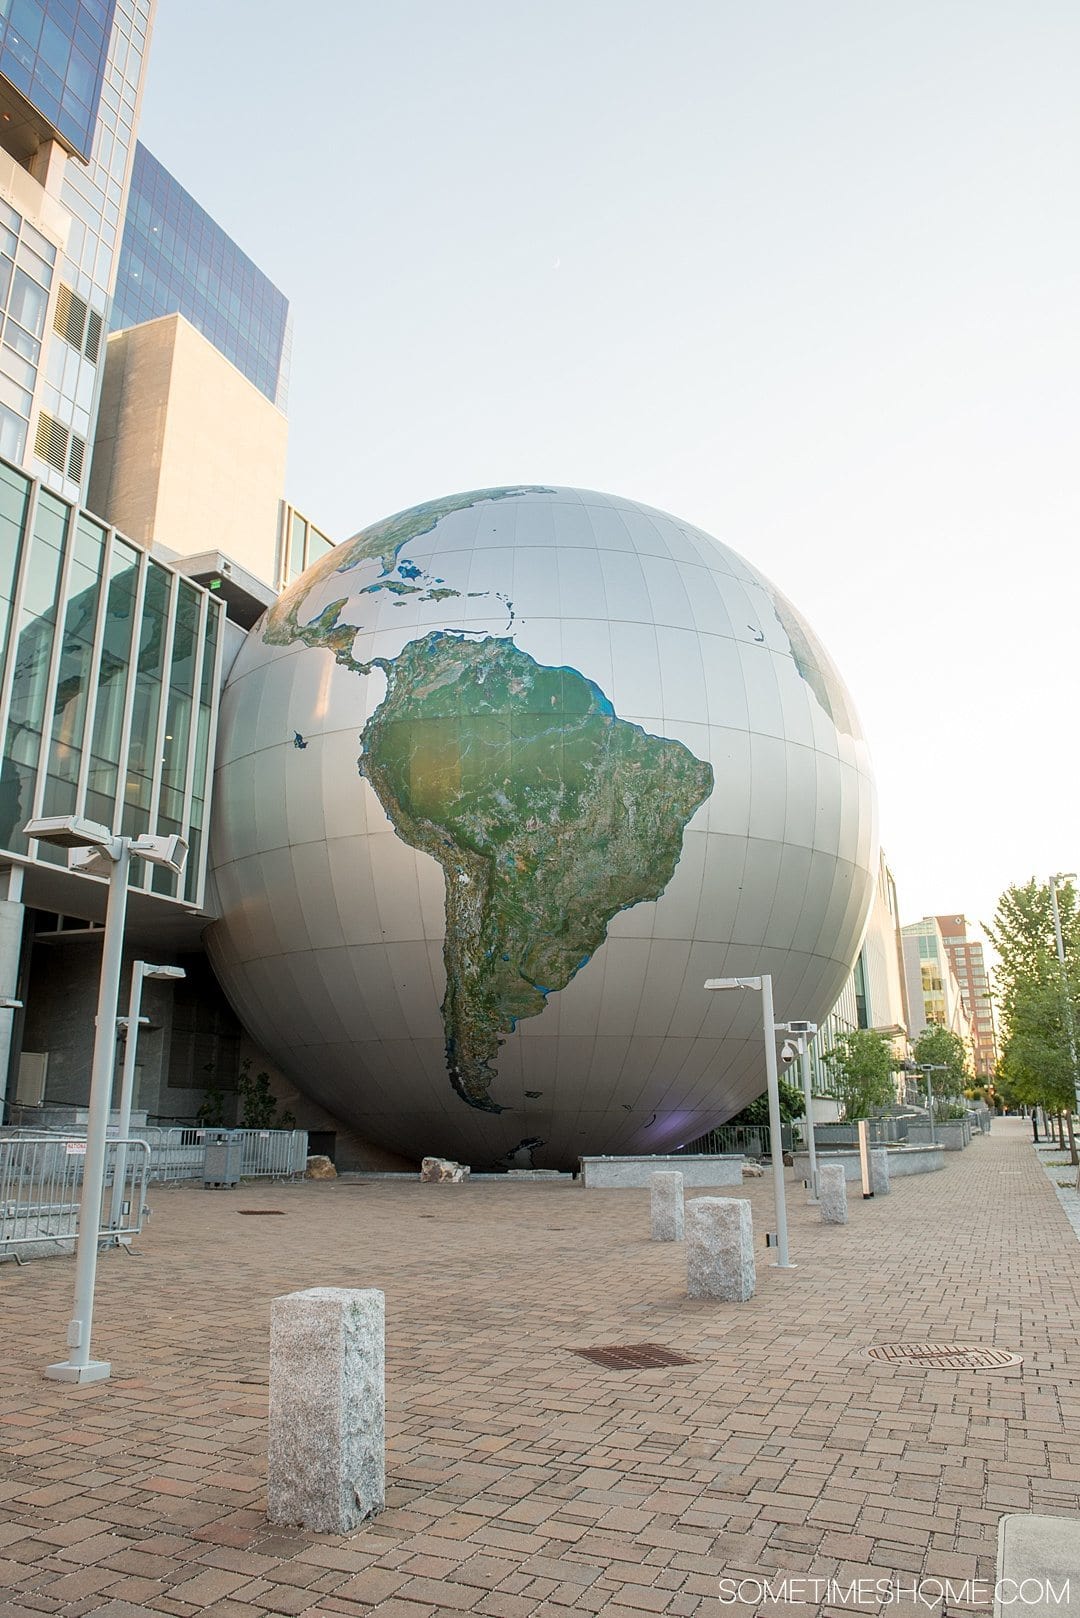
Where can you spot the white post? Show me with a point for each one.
(80, 1367)
(720, 1249)
(666, 1206)
(326, 1457)
(127, 1087)
(804, 1063)
(930, 1103)
(864, 1157)
(775, 1128)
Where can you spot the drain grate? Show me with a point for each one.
(945, 1356)
(633, 1356)
(260, 1213)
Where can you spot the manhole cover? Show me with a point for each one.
(945, 1356)
(260, 1213)
(633, 1356)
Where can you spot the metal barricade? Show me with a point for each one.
(41, 1185)
(273, 1154)
(177, 1153)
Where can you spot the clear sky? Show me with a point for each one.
(803, 272)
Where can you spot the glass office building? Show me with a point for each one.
(108, 696)
(71, 73)
(54, 53)
(175, 259)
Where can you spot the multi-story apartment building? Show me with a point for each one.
(969, 966)
(933, 991)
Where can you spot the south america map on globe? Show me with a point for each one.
(547, 812)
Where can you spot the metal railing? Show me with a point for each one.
(750, 1140)
(41, 1185)
(266, 1154)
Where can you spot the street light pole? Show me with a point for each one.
(79, 1367)
(1065, 876)
(95, 849)
(804, 1065)
(929, 1068)
(139, 972)
(776, 1132)
(763, 985)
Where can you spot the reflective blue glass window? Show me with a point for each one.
(54, 51)
(174, 259)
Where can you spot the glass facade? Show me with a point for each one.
(27, 265)
(299, 544)
(174, 259)
(54, 52)
(66, 356)
(107, 706)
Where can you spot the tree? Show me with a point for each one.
(861, 1063)
(1038, 996)
(258, 1106)
(941, 1048)
(757, 1113)
(1023, 935)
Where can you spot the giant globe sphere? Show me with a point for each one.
(501, 781)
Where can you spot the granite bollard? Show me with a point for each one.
(720, 1249)
(666, 1206)
(832, 1193)
(879, 1171)
(326, 1459)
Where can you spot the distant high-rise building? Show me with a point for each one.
(969, 965)
(175, 259)
(933, 992)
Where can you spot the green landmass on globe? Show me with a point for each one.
(548, 813)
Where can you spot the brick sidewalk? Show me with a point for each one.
(522, 1479)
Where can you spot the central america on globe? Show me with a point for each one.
(500, 782)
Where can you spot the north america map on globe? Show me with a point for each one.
(547, 812)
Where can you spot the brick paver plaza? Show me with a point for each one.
(522, 1479)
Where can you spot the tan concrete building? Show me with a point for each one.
(189, 455)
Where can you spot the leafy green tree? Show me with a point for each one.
(757, 1113)
(942, 1048)
(1038, 996)
(861, 1064)
(1022, 932)
(258, 1106)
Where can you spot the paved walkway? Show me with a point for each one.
(524, 1480)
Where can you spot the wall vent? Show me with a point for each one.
(78, 324)
(70, 317)
(76, 455)
(94, 325)
(51, 441)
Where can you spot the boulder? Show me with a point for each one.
(752, 1171)
(319, 1168)
(442, 1171)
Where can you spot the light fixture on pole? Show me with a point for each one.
(140, 971)
(763, 985)
(96, 850)
(928, 1068)
(804, 1033)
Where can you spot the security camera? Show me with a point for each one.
(789, 1051)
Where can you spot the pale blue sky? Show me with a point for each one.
(801, 271)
